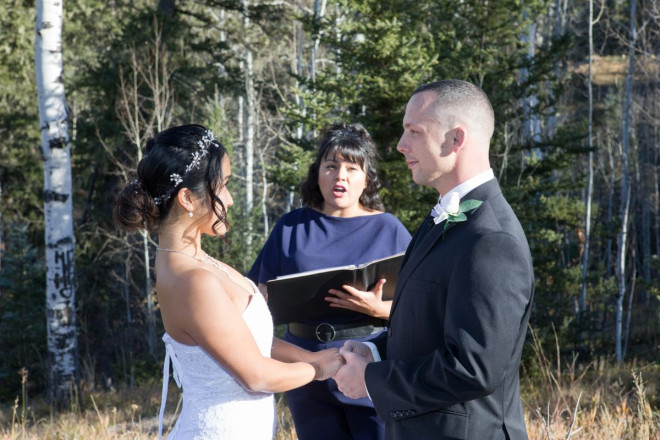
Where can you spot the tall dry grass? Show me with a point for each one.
(596, 400)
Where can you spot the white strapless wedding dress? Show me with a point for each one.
(215, 405)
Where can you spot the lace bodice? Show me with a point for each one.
(215, 405)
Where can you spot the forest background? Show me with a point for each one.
(574, 85)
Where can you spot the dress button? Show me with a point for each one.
(393, 415)
(399, 414)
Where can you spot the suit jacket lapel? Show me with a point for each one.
(415, 254)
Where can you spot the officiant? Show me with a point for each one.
(342, 222)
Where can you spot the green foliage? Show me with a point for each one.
(21, 173)
(22, 314)
(382, 51)
(371, 55)
(292, 166)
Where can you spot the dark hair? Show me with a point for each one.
(166, 168)
(353, 143)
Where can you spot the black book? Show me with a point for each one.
(301, 297)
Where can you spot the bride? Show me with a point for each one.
(218, 330)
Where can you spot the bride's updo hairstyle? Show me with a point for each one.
(185, 156)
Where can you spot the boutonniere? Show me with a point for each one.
(453, 210)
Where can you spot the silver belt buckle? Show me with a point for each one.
(325, 332)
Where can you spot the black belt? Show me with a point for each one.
(326, 332)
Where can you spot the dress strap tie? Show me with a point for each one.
(170, 355)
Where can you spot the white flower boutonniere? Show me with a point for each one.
(452, 209)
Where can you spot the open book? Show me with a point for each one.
(301, 296)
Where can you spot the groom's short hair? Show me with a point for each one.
(464, 100)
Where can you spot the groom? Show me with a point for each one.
(464, 292)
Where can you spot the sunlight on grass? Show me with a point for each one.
(595, 400)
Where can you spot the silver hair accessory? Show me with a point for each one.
(204, 143)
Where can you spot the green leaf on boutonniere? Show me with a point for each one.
(469, 205)
(459, 216)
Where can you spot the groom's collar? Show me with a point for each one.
(470, 184)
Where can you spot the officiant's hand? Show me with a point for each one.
(370, 302)
(326, 363)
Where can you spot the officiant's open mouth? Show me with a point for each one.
(338, 191)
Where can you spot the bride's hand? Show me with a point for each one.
(326, 363)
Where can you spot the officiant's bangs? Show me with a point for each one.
(347, 151)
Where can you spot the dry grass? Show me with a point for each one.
(609, 70)
(598, 400)
(126, 415)
(591, 401)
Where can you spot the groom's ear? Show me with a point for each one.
(459, 138)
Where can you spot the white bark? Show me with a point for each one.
(629, 312)
(250, 122)
(299, 71)
(656, 192)
(58, 206)
(531, 124)
(319, 12)
(625, 186)
(590, 168)
(264, 194)
(610, 207)
(643, 180)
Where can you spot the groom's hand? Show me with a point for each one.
(358, 348)
(350, 377)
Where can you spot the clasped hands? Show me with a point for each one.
(355, 355)
(349, 375)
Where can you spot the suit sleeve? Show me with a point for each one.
(487, 298)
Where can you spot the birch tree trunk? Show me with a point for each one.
(610, 208)
(625, 187)
(300, 128)
(656, 186)
(531, 131)
(250, 121)
(629, 311)
(645, 200)
(590, 173)
(58, 206)
(264, 194)
(319, 12)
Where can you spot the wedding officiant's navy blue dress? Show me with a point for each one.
(306, 239)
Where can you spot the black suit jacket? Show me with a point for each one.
(456, 330)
